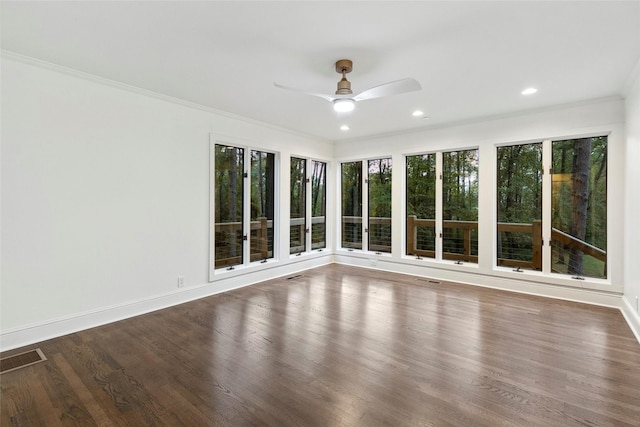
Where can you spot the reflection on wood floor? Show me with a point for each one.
(340, 346)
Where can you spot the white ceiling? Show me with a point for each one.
(472, 58)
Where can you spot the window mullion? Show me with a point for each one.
(246, 208)
(546, 206)
(439, 205)
(365, 205)
(307, 211)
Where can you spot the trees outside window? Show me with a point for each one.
(579, 207)
(262, 205)
(519, 209)
(372, 211)
(244, 206)
(308, 205)
(460, 205)
(318, 204)
(421, 205)
(298, 206)
(229, 205)
(351, 184)
(379, 204)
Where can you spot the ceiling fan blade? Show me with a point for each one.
(387, 89)
(329, 98)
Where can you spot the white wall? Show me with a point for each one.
(598, 117)
(631, 307)
(105, 200)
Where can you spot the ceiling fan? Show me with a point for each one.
(344, 100)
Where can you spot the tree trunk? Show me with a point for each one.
(233, 202)
(579, 200)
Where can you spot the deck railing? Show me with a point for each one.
(352, 238)
(228, 236)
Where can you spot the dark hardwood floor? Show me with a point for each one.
(340, 346)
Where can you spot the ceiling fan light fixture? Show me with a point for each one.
(344, 105)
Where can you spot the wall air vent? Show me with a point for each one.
(17, 361)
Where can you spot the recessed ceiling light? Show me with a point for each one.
(529, 91)
(344, 128)
(417, 113)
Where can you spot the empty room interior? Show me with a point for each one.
(320, 213)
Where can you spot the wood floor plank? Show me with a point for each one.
(342, 346)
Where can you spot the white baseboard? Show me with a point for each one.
(631, 316)
(472, 277)
(34, 333)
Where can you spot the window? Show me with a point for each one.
(244, 206)
(262, 209)
(519, 194)
(579, 207)
(379, 203)
(298, 217)
(307, 210)
(351, 205)
(229, 205)
(460, 205)
(576, 207)
(318, 204)
(421, 205)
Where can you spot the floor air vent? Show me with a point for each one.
(424, 279)
(21, 360)
(294, 277)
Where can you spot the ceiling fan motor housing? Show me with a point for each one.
(343, 67)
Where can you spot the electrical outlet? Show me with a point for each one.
(637, 305)
(373, 262)
(181, 281)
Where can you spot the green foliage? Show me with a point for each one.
(563, 197)
(459, 198)
(352, 189)
(379, 177)
(351, 177)
(318, 188)
(579, 202)
(519, 194)
(262, 185)
(460, 185)
(229, 170)
(298, 187)
(519, 183)
(318, 203)
(421, 186)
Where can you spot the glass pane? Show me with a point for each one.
(520, 206)
(352, 205)
(262, 205)
(228, 203)
(298, 224)
(421, 205)
(379, 178)
(318, 204)
(460, 205)
(579, 207)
